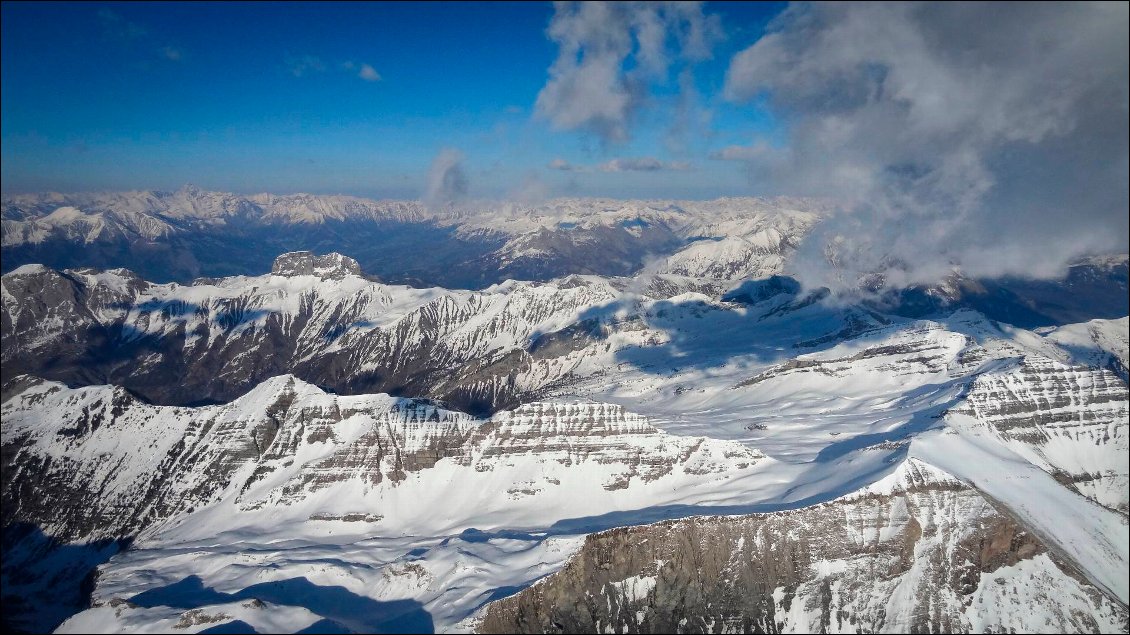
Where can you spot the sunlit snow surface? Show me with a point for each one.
(800, 405)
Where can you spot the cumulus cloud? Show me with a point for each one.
(608, 54)
(447, 180)
(990, 137)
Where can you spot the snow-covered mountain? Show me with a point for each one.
(181, 235)
(287, 450)
(322, 319)
(533, 414)
(917, 551)
(290, 462)
(328, 324)
(670, 246)
(1097, 343)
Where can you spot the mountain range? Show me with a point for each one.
(576, 416)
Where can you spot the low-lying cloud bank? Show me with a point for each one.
(990, 137)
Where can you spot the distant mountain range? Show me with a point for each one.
(178, 236)
(188, 234)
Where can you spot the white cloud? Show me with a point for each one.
(987, 136)
(368, 73)
(447, 180)
(642, 164)
(590, 86)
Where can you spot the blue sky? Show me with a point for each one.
(351, 98)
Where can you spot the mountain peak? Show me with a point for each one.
(332, 266)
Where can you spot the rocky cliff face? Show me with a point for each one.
(1070, 420)
(314, 316)
(97, 463)
(331, 266)
(920, 552)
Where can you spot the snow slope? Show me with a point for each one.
(1096, 343)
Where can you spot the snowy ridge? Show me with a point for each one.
(1068, 420)
(125, 449)
(303, 314)
(918, 551)
(286, 442)
(1097, 343)
(154, 215)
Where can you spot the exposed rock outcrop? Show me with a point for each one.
(918, 552)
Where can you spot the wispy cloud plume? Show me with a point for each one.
(608, 54)
(642, 164)
(990, 137)
(447, 180)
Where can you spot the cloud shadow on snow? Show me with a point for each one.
(768, 322)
